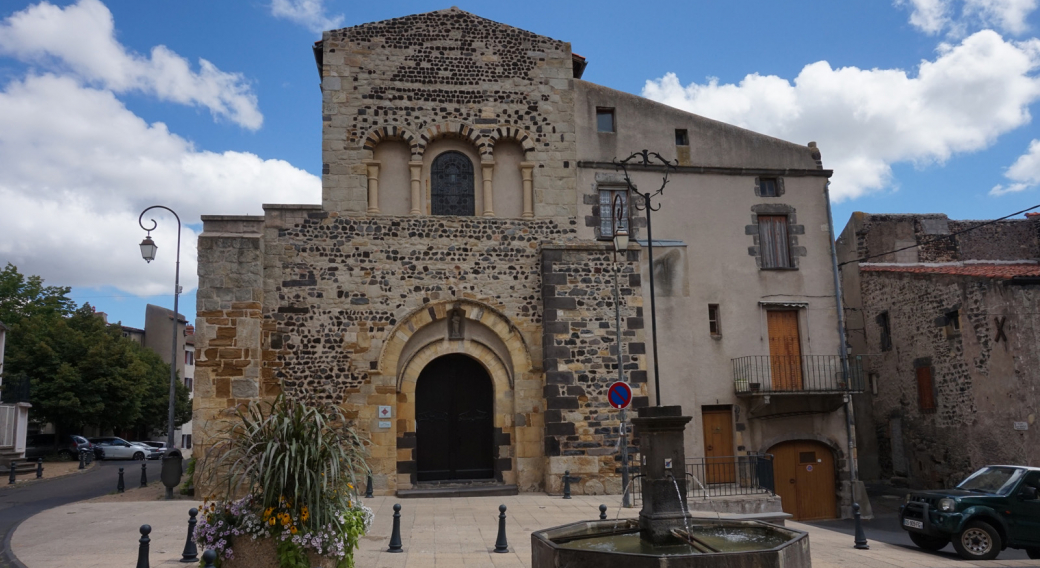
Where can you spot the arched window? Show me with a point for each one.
(451, 185)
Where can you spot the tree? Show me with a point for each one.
(82, 371)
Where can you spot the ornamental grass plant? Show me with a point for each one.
(288, 472)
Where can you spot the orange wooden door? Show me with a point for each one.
(785, 349)
(804, 476)
(718, 445)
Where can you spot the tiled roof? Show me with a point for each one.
(1000, 271)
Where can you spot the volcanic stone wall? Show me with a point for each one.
(982, 386)
(446, 73)
(581, 357)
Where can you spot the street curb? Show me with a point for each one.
(7, 552)
(32, 480)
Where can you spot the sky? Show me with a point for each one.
(107, 108)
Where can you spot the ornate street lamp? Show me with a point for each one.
(148, 249)
(620, 232)
(647, 161)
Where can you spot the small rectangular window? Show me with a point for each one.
(605, 119)
(611, 199)
(682, 138)
(886, 331)
(714, 324)
(767, 187)
(925, 390)
(873, 383)
(953, 323)
(773, 242)
(806, 457)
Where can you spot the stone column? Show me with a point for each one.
(373, 186)
(416, 168)
(527, 171)
(488, 169)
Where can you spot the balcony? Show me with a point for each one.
(791, 385)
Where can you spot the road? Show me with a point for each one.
(884, 527)
(21, 502)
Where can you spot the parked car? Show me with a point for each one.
(40, 445)
(157, 449)
(113, 448)
(996, 507)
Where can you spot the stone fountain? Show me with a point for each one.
(664, 536)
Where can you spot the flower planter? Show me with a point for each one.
(263, 553)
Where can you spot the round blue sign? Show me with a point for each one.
(619, 395)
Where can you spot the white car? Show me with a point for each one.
(112, 448)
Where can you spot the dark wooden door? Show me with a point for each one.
(718, 445)
(454, 419)
(804, 475)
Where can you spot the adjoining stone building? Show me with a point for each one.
(948, 332)
(453, 291)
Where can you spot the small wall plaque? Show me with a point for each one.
(1021, 426)
(668, 463)
(384, 423)
(385, 412)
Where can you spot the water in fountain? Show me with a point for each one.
(682, 506)
(708, 497)
(623, 493)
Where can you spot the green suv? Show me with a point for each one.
(996, 507)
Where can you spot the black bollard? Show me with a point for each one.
(500, 543)
(120, 487)
(861, 538)
(144, 475)
(602, 512)
(368, 487)
(82, 459)
(39, 468)
(142, 552)
(11, 479)
(209, 558)
(191, 552)
(395, 536)
(567, 484)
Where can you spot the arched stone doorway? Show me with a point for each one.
(454, 418)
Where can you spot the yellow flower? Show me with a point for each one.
(292, 529)
(350, 486)
(273, 521)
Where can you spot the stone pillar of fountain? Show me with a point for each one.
(660, 431)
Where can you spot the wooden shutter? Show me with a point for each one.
(772, 240)
(925, 391)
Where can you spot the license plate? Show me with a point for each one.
(913, 524)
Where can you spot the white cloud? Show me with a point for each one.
(77, 168)
(929, 16)
(935, 16)
(80, 39)
(308, 13)
(867, 120)
(1024, 173)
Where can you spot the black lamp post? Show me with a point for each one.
(148, 249)
(647, 160)
(620, 232)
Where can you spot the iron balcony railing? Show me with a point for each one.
(14, 389)
(770, 374)
(724, 476)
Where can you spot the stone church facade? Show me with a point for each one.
(453, 292)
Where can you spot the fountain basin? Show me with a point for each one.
(610, 544)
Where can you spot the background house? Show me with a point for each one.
(453, 292)
(14, 411)
(947, 330)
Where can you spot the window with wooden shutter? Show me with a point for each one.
(773, 242)
(925, 390)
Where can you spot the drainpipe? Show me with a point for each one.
(842, 349)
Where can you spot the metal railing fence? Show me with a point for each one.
(709, 477)
(795, 373)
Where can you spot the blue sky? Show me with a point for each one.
(213, 108)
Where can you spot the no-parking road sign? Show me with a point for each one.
(619, 395)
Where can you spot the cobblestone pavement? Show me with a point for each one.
(435, 532)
